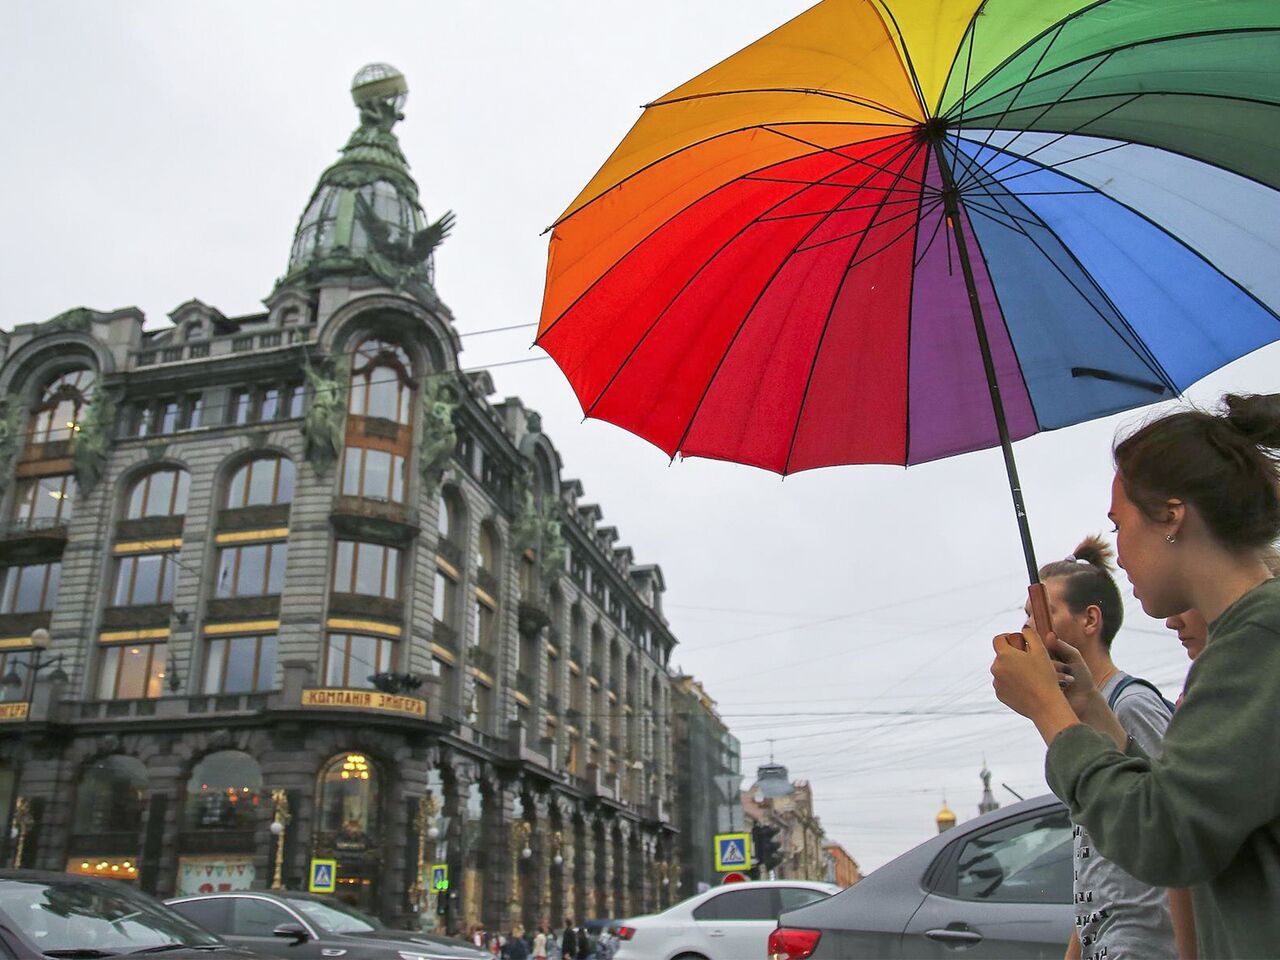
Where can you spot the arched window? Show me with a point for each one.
(261, 482)
(381, 382)
(111, 797)
(160, 493)
(448, 518)
(56, 415)
(349, 797)
(223, 793)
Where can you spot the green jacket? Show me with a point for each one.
(1206, 814)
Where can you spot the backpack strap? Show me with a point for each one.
(1128, 682)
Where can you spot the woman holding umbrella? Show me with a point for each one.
(1196, 503)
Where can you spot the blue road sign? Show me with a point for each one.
(323, 876)
(733, 851)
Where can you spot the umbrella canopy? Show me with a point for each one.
(783, 262)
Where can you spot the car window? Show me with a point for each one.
(251, 917)
(212, 913)
(795, 897)
(334, 917)
(757, 903)
(1024, 862)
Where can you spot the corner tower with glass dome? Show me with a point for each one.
(293, 585)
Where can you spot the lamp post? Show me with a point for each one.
(279, 824)
(423, 822)
(39, 643)
(23, 821)
(521, 830)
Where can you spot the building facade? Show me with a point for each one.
(291, 587)
(842, 869)
(775, 801)
(708, 764)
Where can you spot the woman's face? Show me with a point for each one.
(1192, 631)
(1146, 556)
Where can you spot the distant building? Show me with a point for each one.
(708, 772)
(946, 819)
(988, 801)
(773, 800)
(842, 869)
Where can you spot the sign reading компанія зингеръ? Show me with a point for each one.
(14, 711)
(365, 700)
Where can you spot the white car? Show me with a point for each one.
(730, 922)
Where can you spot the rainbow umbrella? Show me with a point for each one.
(889, 232)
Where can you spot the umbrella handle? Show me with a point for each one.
(1040, 613)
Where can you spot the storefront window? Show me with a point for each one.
(348, 798)
(224, 793)
(111, 797)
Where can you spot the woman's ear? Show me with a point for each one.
(1175, 514)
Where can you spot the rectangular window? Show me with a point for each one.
(269, 409)
(132, 671)
(241, 406)
(254, 570)
(168, 416)
(142, 421)
(297, 394)
(367, 568)
(373, 474)
(352, 658)
(240, 664)
(29, 589)
(144, 578)
(44, 501)
(195, 412)
(484, 623)
(445, 601)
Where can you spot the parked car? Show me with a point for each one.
(725, 923)
(304, 926)
(995, 886)
(45, 914)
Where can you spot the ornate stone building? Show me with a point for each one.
(775, 801)
(289, 586)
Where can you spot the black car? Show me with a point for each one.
(45, 914)
(300, 926)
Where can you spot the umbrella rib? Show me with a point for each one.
(1138, 213)
(804, 397)
(658, 319)
(819, 147)
(806, 91)
(1056, 26)
(782, 218)
(725, 133)
(891, 138)
(1135, 343)
(875, 253)
(747, 314)
(972, 33)
(1045, 112)
(1056, 164)
(911, 294)
(879, 6)
(937, 227)
(1027, 79)
(1133, 45)
(896, 216)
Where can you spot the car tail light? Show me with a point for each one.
(792, 944)
(625, 933)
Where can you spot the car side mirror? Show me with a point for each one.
(295, 931)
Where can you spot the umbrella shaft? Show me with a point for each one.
(952, 202)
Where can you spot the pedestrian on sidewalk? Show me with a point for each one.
(1117, 916)
(1196, 503)
(515, 947)
(540, 943)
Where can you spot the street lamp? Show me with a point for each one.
(279, 821)
(39, 643)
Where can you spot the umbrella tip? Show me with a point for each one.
(547, 230)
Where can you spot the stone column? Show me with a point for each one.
(624, 894)
(540, 871)
(604, 868)
(586, 875)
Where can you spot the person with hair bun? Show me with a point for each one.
(1117, 916)
(1196, 504)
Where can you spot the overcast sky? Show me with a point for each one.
(161, 151)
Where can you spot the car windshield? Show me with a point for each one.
(334, 917)
(80, 915)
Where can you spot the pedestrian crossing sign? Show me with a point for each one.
(733, 851)
(323, 876)
(440, 876)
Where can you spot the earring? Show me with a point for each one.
(1171, 538)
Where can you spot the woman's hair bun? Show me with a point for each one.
(1257, 416)
(1095, 551)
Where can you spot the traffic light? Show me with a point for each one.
(766, 847)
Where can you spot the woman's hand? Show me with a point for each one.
(1026, 681)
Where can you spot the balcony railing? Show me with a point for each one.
(524, 683)
(573, 716)
(34, 526)
(595, 730)
(221, 346)
(445, 635)
(487, 582)
(553, 704)
(450, 551)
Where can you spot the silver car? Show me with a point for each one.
(995, 886)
